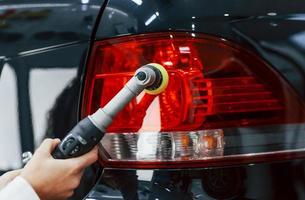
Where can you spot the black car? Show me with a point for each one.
(228, 126)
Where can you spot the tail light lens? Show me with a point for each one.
(223, 104)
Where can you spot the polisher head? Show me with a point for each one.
(161, 81)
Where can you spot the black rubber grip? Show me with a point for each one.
(80, 140)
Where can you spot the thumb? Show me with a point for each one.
(48, 145)
(55, 143)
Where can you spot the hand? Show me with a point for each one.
(8, 177)
(55, 178)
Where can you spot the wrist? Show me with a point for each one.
(31, 181)
(24, 188)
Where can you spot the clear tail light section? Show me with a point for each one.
(223, 104)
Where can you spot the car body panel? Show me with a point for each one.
(245, 182)
(31, 26)
(43, 48)
(40, 39)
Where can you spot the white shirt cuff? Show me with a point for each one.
(18, 189)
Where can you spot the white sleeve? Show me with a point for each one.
(18, 189)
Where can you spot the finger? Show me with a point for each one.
(86, 160)
(77, 179)
(55, 143)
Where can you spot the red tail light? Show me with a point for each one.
(216, 88)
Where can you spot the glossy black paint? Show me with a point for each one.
(28, 26)
(43, 48)
(43, 35)
(216, 183)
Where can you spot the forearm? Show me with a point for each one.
(18, 189)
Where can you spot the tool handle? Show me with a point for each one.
(80, 140)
